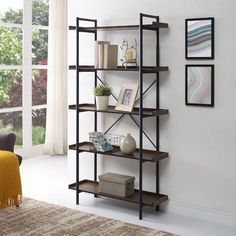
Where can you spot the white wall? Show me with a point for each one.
(199, 176)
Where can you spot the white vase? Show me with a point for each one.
(102, 102)
(127, 144)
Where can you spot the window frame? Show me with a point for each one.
(27, 67)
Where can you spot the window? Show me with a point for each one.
(23, 70)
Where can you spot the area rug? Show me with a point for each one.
(36, 218)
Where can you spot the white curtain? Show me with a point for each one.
(56, 123)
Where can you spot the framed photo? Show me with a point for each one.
(199, 38)
(127, 97)
(199, 85)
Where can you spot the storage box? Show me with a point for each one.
(116, 184)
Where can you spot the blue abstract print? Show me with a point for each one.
(199, 38)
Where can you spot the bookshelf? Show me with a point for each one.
(141, 155)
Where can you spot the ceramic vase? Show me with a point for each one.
(127, 144)
(102, 102)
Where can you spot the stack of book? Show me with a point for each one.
(105, 55)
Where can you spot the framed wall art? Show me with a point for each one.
(199, 85)
(199, 38)
(127, 97)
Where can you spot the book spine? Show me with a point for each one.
(110, 56)
(96, 57)
(99, 53)
(105, 54)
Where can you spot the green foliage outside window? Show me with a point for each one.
(11, 53)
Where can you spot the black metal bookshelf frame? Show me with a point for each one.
(141, 115)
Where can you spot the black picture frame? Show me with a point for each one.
(201, 44)
(197, 85)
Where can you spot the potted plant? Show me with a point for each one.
(102, 94)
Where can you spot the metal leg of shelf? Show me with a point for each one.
(77, 110)
(141, 119)
(95, 169)
(157, 107)
(140, 189)
(157, 177)
(95, 154)
(95, 114)
(77, 105)
(157, 182)
(77, 180)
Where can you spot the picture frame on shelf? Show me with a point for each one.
(199, 38)
(127, 96)
(199, 85)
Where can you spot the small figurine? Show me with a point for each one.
(129, 54)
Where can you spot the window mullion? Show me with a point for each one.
(10, 67)
(27, 71)
(11, 25)
(10, 109)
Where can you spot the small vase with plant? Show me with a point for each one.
(102, 94)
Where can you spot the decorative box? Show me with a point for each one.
(116, 184)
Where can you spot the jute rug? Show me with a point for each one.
(35, 218)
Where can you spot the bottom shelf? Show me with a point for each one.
(149, 198)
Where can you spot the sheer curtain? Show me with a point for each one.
(56, 123)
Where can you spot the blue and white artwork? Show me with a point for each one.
(200, 38)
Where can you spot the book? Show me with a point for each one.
(99, 53)
(110, 55)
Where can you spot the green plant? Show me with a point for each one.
(102, 90)
(38, 135)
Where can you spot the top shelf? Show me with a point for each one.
(154, 26)
(145, 69)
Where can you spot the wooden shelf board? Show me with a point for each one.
(147, 112)
(146, 69)
(149, 198)
(148, 155)
(154, 26)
